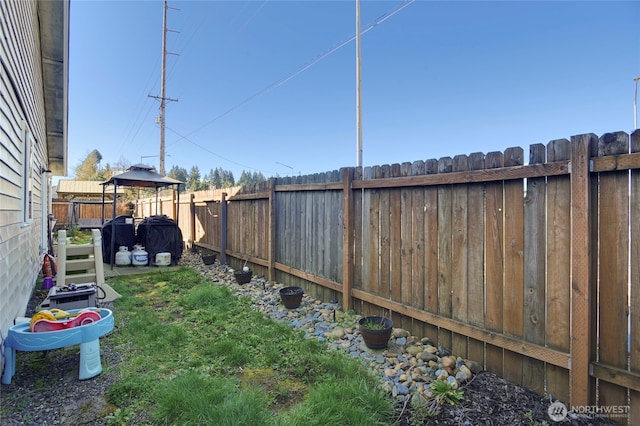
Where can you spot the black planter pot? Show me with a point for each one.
(209, 259)
(243, 277)
(376, 337)
(291, 296)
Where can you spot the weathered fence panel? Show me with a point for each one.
(494, 231)
(634, 293)
(613, 236)
(558, 273)
(72, 213)
(528, 269)
(475, 256)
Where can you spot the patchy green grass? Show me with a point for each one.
(193, 353)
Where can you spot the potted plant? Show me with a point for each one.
(291, 296)
(209, 259)
(375, 331)
(244, 276)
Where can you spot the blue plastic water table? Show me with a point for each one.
(20, 338)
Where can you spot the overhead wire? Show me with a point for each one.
(289, 77)
(182, 137)
(306, 66)
(243, 26)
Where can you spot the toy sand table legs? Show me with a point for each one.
(85, 331)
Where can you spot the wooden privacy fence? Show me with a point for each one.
(80, 212)
(523, 267)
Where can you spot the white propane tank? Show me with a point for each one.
(140, 257)
(163, 259)
(123, 256)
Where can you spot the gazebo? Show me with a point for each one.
(139, 176)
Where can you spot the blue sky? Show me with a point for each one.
(264, 86)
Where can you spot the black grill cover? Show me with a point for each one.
(160, 234)
(125, 235)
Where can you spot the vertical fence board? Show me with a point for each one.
(494, 262)
(634, 396)
(514, 263)
(309, 226)
(298, 240)
(591, 238)
(358, 209)
(366, 279)
(294, 229)
(336, 244)
(301, 223)
(348, 263)
(459, 254)
(613, 264)
(406, 244)
(279, 228)
(445, 227)
(558, 259)
(374, 235)
(318, 204)
(329, 210)
(371, 235)
(475, 268)
(417, 267)
(581, 296)
(534, 271)
(431, 249)
(385, 236)
(395, 243)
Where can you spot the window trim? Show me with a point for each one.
(27, 176)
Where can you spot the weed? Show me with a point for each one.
(372, 325)
(444, 393)
(428, 405)
(532, 421)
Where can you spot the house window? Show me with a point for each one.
(27, 177)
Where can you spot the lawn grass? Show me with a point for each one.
(195, 354)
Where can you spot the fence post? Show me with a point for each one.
(192, 221)
(272, 230)
(223, 229)
(174, 206)
(347, 239)
(580, 270)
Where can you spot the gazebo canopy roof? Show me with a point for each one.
(71, 189)
(140, 175)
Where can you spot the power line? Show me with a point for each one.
(183, 137)
(306, 66)
(284, 80)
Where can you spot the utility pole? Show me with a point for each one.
(163, 99)
(358, 90)
(635, 105)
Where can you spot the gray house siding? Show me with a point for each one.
(24, 150)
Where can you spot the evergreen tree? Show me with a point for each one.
(178, 173)
(248, 178)
(88, 169)
(258, 177)
(245, 178)
(216, 178)
(193, 180)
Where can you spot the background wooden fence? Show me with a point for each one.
(523, 267)
(83, 213)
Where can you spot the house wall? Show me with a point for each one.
(23, 152)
